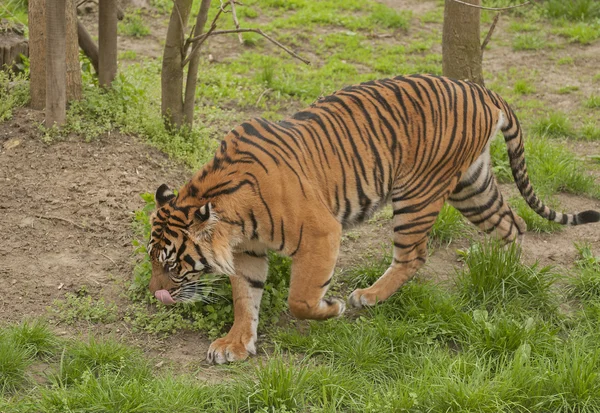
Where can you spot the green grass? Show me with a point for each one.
(523, 87)
(565, 90)
(567, 60)
(551, 166)
(590, 131)
(133, 25)
(14, 361)
(581, 32)
(83, 307)
(15, 11)
(14, 90)
(450, 225)
(495, 277)
(593, 102)
(500, 336)
(585, 283)
(34, 336)
(574, 10)
(529, 41)
(554, 124)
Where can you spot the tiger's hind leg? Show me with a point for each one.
(479, 199)
(413, 220)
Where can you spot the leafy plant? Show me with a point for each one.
(84, 308)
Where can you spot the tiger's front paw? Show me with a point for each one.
(362, 298)
(230, 348)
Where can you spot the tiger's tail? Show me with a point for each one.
(514, 142)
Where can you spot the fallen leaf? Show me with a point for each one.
(11, 143)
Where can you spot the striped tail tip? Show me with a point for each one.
(586, 217)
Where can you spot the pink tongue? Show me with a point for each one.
(164, 297)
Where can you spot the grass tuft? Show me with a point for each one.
(35, 336)
(554, 125)
(449, 226)
(593, 102)
(585, 283)
(529, 41)
(133, 25)
(494, 277)
(14, 361)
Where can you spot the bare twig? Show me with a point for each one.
(493, 8)
(235, 20)
(203, 37)
(107, 257)
(267, 90)
(61, 219)
(489, 34)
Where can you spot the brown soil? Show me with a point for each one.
(67, 207)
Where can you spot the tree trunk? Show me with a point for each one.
(37, 52)
(56, 69)
(461, 49)
(72, 52)
(107, 42)
(172, 71)
(88, 45)
(192, 75)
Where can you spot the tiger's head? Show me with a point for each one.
(186, 242)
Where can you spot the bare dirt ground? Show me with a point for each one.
(67, 208)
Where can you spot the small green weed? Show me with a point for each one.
(84, 308)
(133, 25)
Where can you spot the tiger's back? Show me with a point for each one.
(368, 143)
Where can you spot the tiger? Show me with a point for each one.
(292, 186)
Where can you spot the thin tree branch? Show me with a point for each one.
(493, 8)
(489, 34)
(204, 36)
(235, 20)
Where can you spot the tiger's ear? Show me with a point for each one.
(163, 195)
(203, 213)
